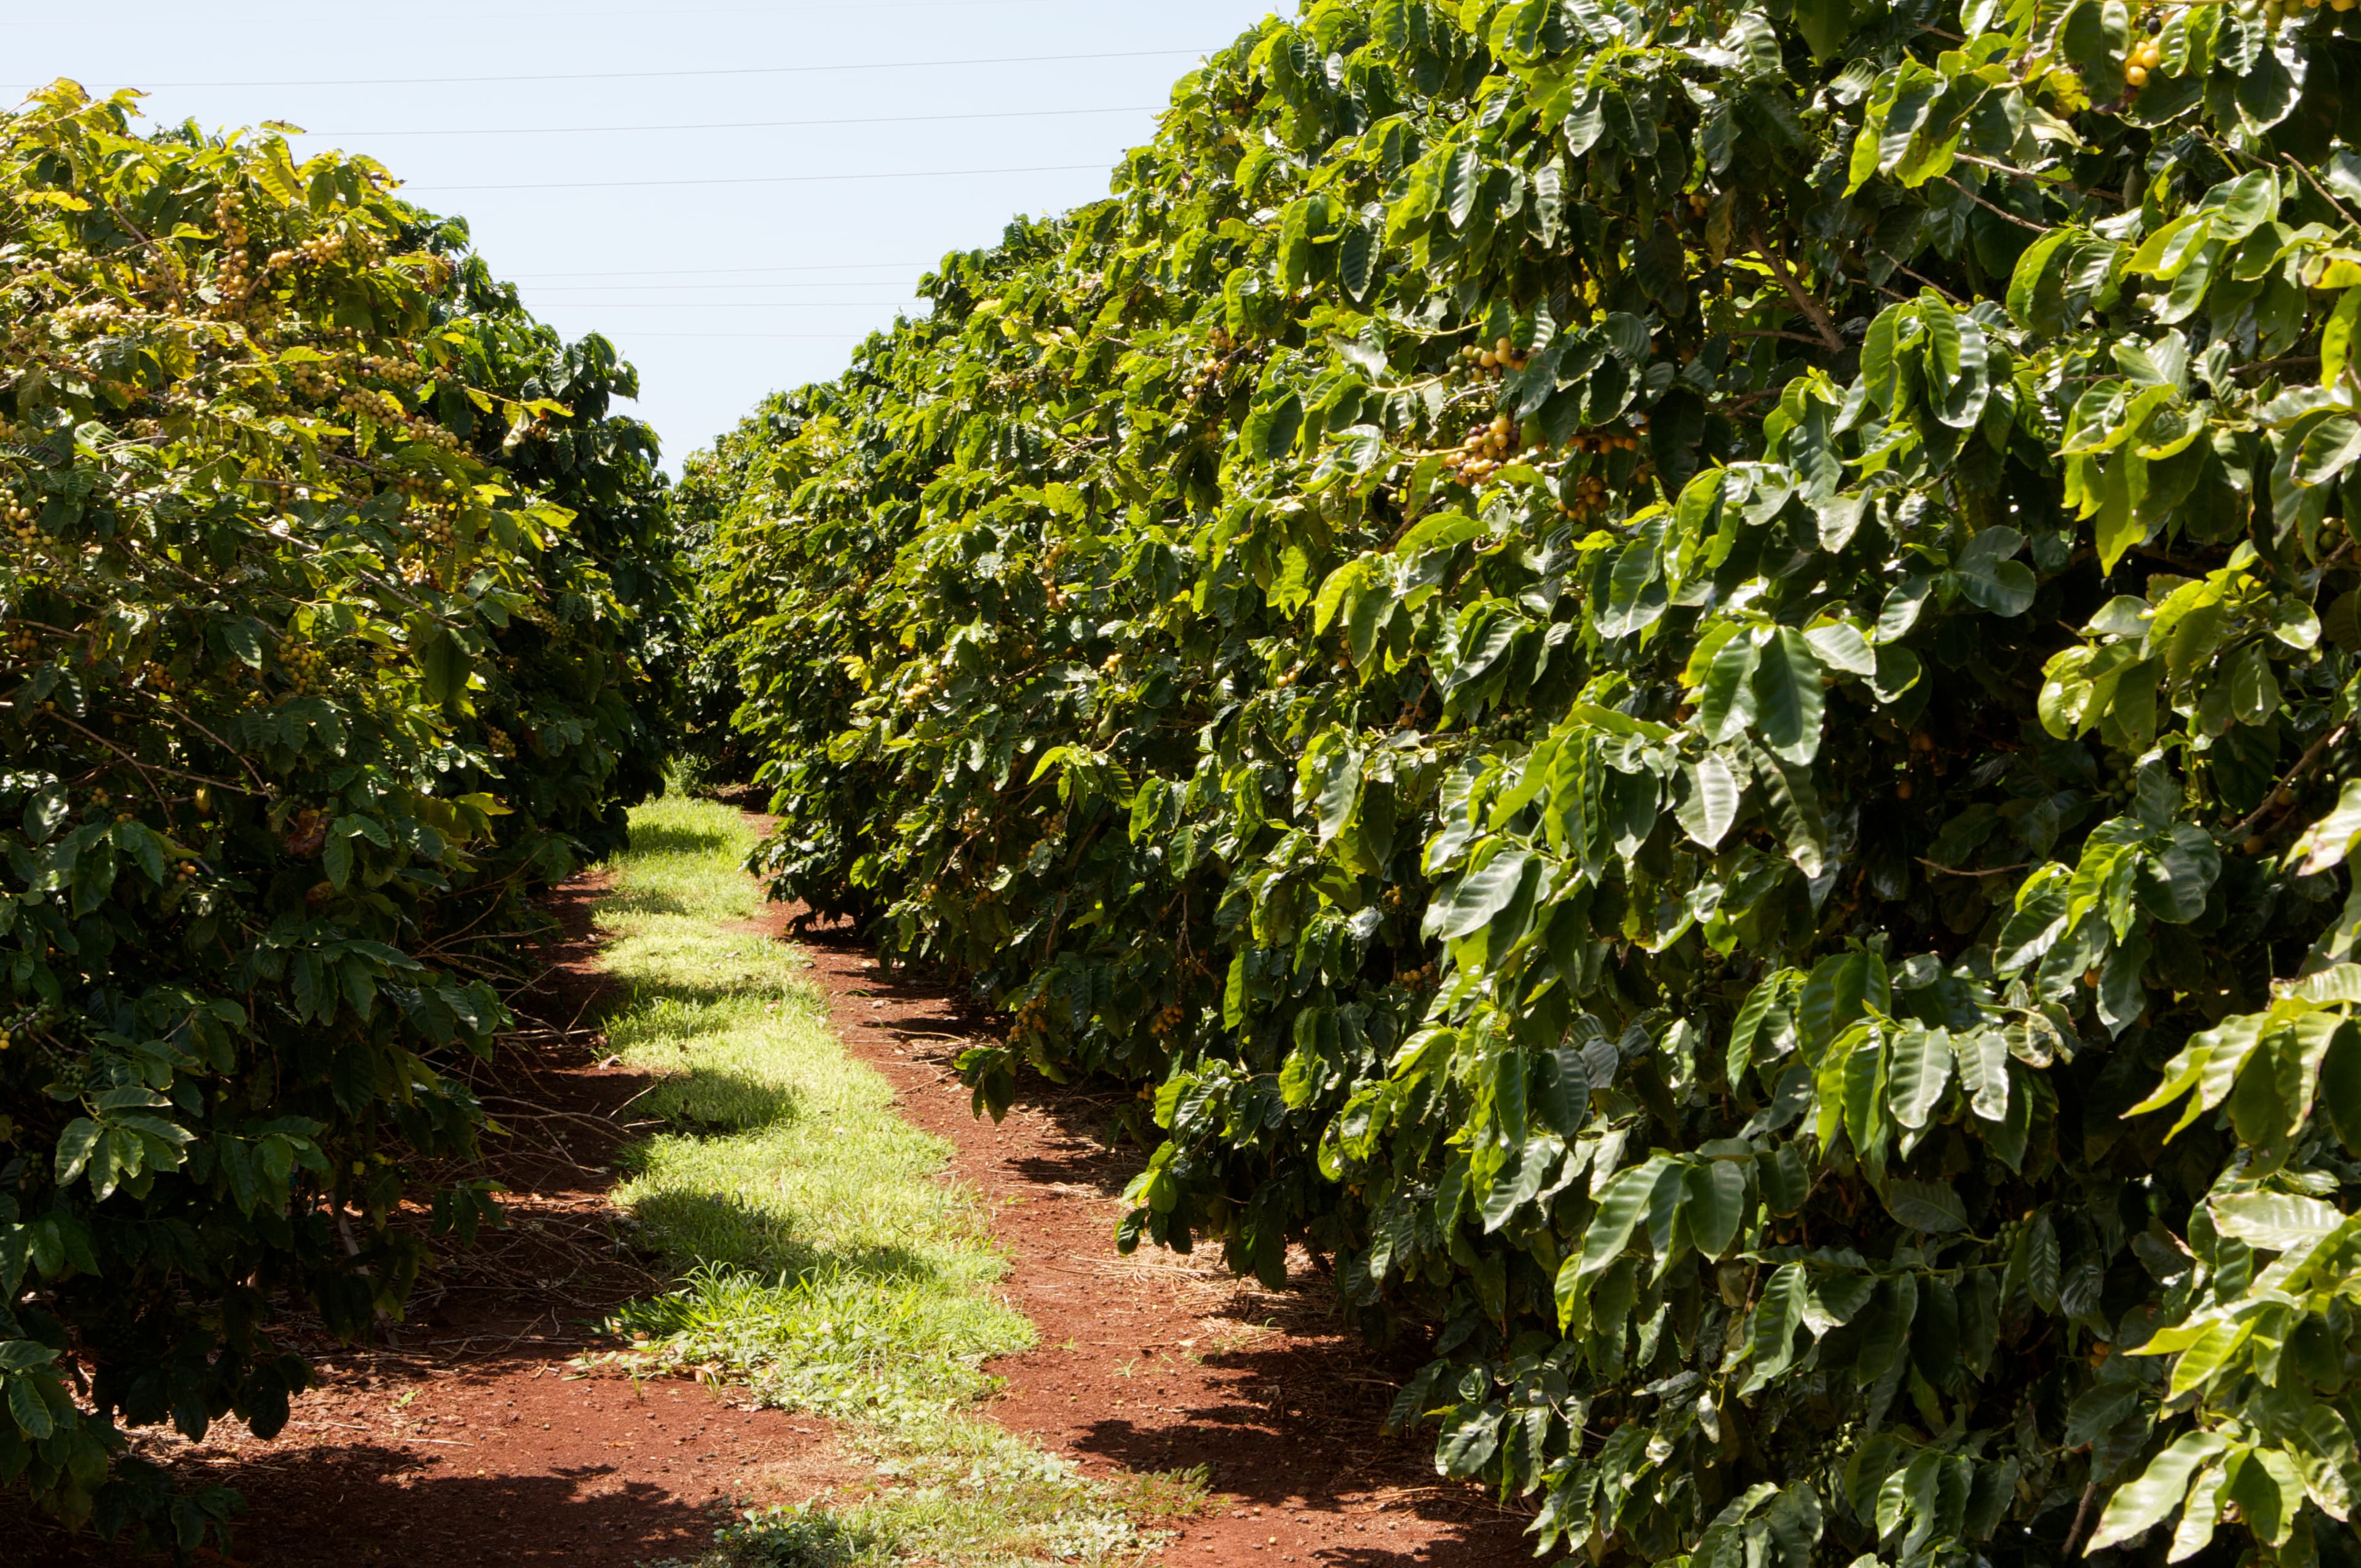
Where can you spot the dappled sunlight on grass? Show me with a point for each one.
(787, 1190)
(824, 1262)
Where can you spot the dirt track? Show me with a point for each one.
(465, 1439)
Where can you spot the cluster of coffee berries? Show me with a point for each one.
(317, 251)
(1420, 979)
(313, 380)
(90, 320)
(306, 664)
(1033, 1018)
(1215, 364)
(1699, 204)
(2147, 55)
(1485, 448)
(1502, 355)
(498, 742)
(19, 519)
(234, 278)
(23, 643)
(364, 402)
(1208, 380)
(1606, 440)
(437, 530)
(929, 682)
(2275, 11)
(1171, 1021)
(1589, 496)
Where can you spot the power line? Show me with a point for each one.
(726, 304)
(763, 179)
(539, 290)
(726, 70)
(707, 271)
(754, 336)
(214, 20)
(738, 124)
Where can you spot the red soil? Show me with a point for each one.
(464, 1438)
(1158, 1361)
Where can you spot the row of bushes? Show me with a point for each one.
(338, 610)
(1681, 680)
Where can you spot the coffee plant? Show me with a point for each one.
(334, 604)
(1680, 680)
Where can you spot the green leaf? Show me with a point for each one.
(29, 1410)
(1777, 1316)
(1983, 1058)
(2139, 1506)
(1788, 696)
(2329, 448)
(1918, 1072)
(1469, 1442)
(1620, 1206)
(1714, 789)
(1356, 251)
(445, 666)
(1825, 24)
(1716, 1201)
(2275, 1221)
(1991, 581)
(1726, 704)
(75, 1146)
(1926, 1206)
(1483, 894)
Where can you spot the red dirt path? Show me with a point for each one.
(1159, 1362)
(463, 1440)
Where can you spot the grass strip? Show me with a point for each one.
(824, 1263)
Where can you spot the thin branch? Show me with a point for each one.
(2321, 191)
(1813, 311)
(2081, 1513)
(144, 767)
(2285, 362)
(1995, 870)
(1920, 278)
(1998, 211)
(1774, 332)
(2010, 170)
(2271, 802)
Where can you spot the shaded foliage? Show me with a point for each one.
(337, 611)
(1680, 681)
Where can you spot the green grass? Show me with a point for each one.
(824, 1262)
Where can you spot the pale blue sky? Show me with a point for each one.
(720, 292)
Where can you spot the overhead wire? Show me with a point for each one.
(539, 290)
(703, 71)
(212, 18)
(759, 179)
(737, 125)
(727, 305)
(709, 271)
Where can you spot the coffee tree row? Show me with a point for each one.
(334, 605)
(1680, 681)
